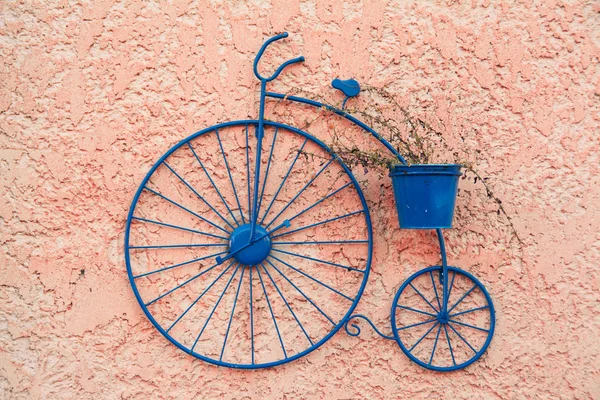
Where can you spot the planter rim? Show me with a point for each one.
(426, 165)
(426, 169)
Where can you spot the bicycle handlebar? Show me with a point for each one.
(285, 64)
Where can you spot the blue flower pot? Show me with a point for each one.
(425, 194)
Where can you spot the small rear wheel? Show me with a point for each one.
(438, 340)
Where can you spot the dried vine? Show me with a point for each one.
(414, 137)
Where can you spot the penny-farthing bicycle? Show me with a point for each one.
(246, 252)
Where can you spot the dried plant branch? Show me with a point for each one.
(416, 139)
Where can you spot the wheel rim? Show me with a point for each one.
(307, 285)
(433, 339)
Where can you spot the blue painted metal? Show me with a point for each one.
(425, 194)
(357, 328)
(344, 114)
(256, 252)
(240, 247)
(261, 119)
(261, 268)
(444, 320)
(349, 87)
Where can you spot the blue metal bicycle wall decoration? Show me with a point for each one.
(245, 253)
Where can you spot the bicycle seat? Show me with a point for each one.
(349, 87)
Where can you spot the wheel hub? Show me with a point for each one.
(443, 317)
(256, 252)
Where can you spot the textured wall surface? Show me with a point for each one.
(92, 93)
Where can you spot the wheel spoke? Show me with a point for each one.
(320, 201)
(435, 290)
(179, 227)
(417, 324)
(178, 265)
(213, 183)
(186, 209)
(300, 192)
(301, 292)
(415, 310)
(283, 182)
(312, 278)
(197, 194)
(423, 297)
(470, 326)
(326, 242)
(230, 177)
(469, 311)
(451, 285)
(287, 304)
(317, 224)
(422, 337)
(183, 284)
(262, 192)
(251, 317)
(449, 344)
(437, 336)
(463, 339)
(237, 293)
(462, 298)
(271, 311)
(176, 246)
(319, 261)
(248, 175)
(215, 307)
(199, 297)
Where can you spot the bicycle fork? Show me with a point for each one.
(444, 309)
(259, 139)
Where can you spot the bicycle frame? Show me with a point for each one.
(260, 133)
(250, 231)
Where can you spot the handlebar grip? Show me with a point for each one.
(285, 64)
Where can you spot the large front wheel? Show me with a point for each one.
(200, 274)
(438, 339)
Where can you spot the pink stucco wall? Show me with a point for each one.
(92, 93)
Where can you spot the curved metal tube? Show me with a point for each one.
(357, 332)
(281, 67)
(344, 114)
(444, 268)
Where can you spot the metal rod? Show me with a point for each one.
(283, 181)
(184, 283)
(300, 192)
(320, 201)
(215, 307)
(287, 304)
(229, 174)
(178, 265)
(312, 278)
(185, 209)
(262, 192)
(301, 292)
(316, 224)
(437, 336)
(440, 236)
(259, 138)
(199, 297)
(342, 114)
(271, 311)
(197, 194)
(237, 293)
(423, 297)
(213, 183)
(319, 261)
(150, 221)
